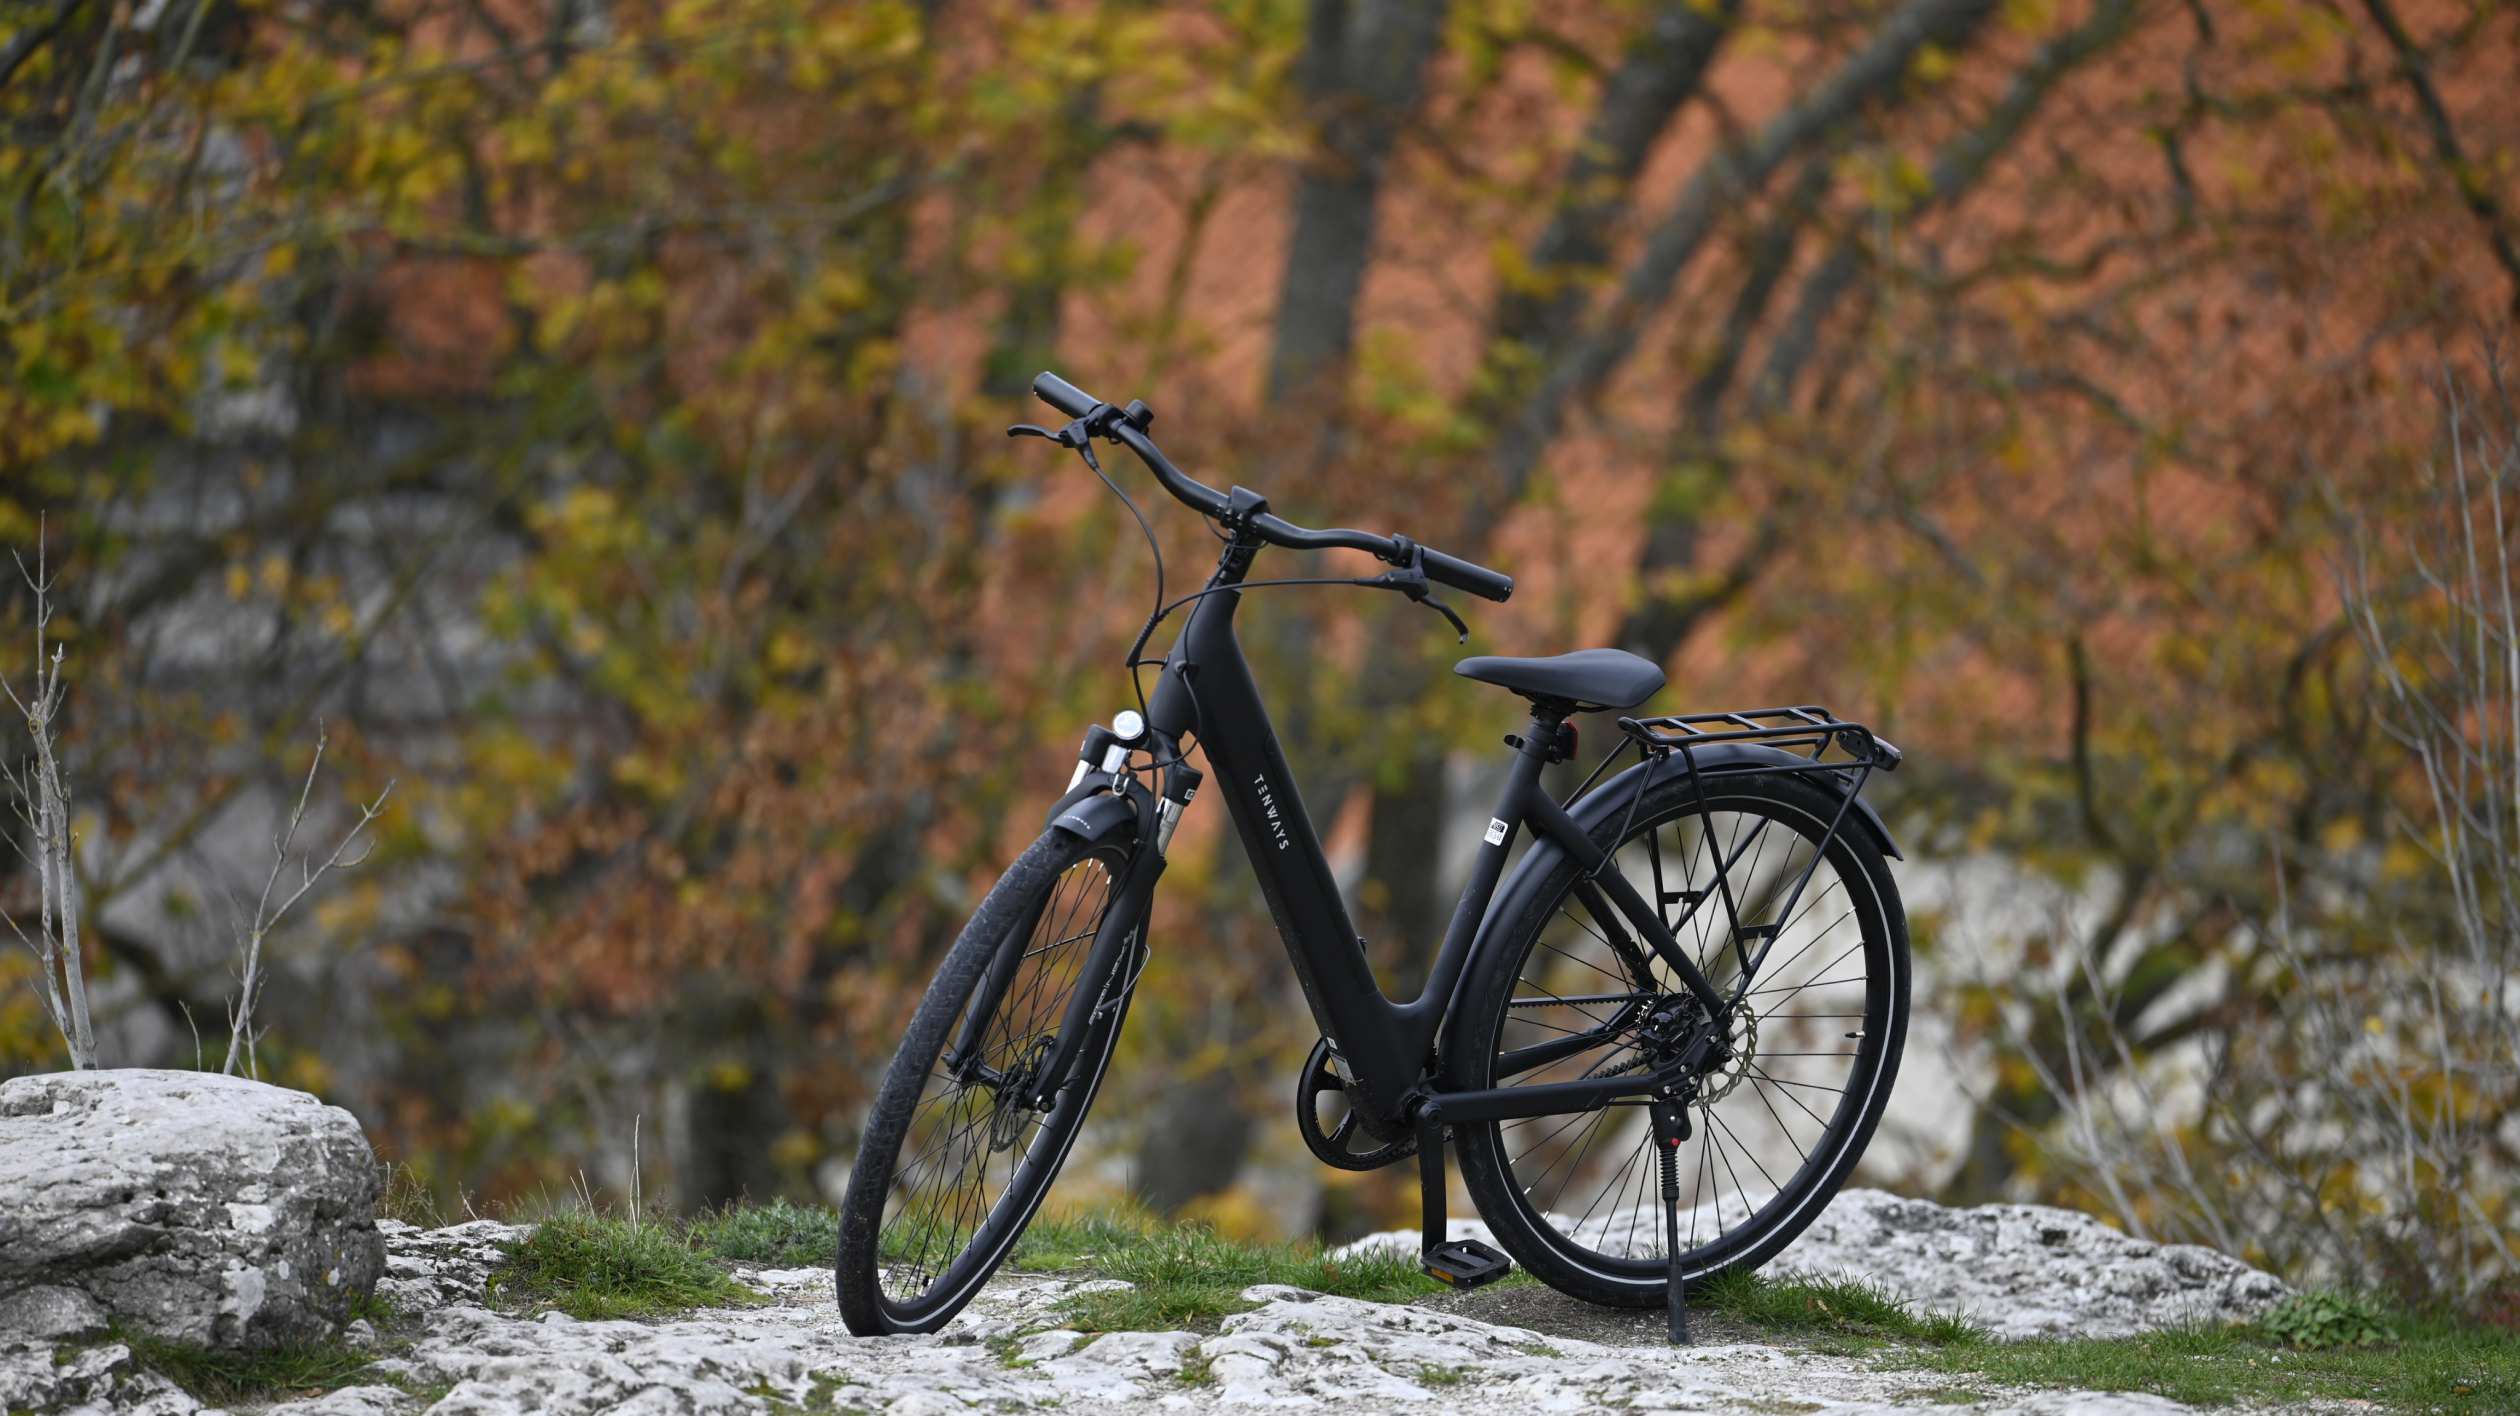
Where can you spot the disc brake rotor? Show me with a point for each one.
(1741, 1044)
(1007, 1116)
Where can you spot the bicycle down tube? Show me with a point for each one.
(1207, 690)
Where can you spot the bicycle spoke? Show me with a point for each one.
(965, 1150)
(1764, 1078)
(1751, 1155)
(1753, 881)
(1780, 1118)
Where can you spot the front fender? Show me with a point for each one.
(1105, 813)
(1599, 812)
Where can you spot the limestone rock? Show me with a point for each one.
(1008, 1352)
(103, 1378)
(2021, 1270)
(2029, 1270)
(450, 1353)
(194, 1207)
(426, 1268)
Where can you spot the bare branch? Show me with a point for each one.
(243, 1036)
(43, 803)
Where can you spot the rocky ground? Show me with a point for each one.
(1506, 1350)
(2020, 1271)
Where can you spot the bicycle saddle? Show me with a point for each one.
(1593, 678)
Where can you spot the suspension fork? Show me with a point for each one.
(963, 1056)
(1123, 924)
(1128, 897)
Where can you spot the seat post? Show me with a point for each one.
(1539, 737)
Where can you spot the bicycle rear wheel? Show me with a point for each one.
(953, 1165)
(1575, 1197)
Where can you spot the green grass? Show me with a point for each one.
(597, 1266)
(1842, 1307)
(2431, 1364)
(778, 1234)
(2436, 1364)
(1185, 1276)
(222, 1378)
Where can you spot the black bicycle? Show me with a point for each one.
(1658, 1046)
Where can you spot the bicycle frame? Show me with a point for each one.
(1207, 689)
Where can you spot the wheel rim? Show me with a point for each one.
(1760, 1150)
(971, 1169)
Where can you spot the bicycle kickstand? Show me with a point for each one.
(1671, 1127)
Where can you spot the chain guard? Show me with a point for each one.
(1333, 1148)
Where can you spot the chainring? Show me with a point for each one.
(1332, 1147)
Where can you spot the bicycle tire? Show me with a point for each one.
(1584, 1257)
(1025, 898)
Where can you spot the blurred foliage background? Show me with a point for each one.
(590, 410)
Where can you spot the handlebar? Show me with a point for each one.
(1127, 427)
(1062, 395)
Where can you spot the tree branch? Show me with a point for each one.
(2473, 188)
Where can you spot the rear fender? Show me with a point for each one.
(1600, 811)
(1716, 759)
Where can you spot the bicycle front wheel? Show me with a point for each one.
(955, 1161)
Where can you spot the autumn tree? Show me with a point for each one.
(594, 411)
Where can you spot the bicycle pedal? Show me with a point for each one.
(1464, 1263)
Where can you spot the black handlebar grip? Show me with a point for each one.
(1062, 395)
(1463, 575)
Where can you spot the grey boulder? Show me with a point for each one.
(189, 1206)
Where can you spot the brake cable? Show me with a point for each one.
(1079, 436)
(1410, 580)
(1409, 583)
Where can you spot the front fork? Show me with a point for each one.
(1102, 772)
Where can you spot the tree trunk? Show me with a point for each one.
(1362, 69)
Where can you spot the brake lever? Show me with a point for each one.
(1075, 434)
(1411, 581)
(1461, 632)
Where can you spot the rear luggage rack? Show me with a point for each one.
(1810, 730)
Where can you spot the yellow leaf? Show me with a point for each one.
(2029, 16)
